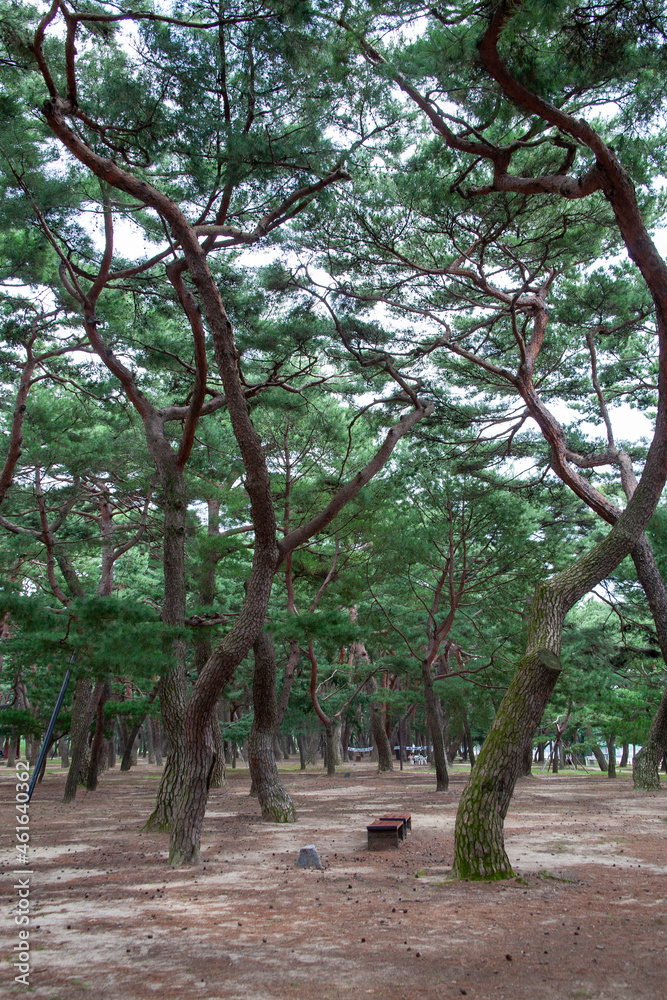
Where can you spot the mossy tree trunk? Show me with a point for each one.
(479, 849)
(479, 845)
(275, 802)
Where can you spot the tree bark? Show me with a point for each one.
(302, 743)
(611, 751)
(646, 763)
(98, 739)
(330, 748)
(526, 768)
(275, 803)
(14, 749)
(595, 750)
(439, 755)
(83, 711)
(471, 751)
(64, 752)
(172, 686)
(150, 743)
(479, 846)
(378, 732)
(157, 740)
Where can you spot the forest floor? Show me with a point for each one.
(586, 918)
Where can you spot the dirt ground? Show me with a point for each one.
(586, 918)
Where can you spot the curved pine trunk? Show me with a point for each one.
(595, 750)
(127, 759)
(479, 844)
(275, 802)
(646, 763)
(203, 649)
(192, 780)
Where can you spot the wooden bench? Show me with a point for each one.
(385, 833)
(405, 818)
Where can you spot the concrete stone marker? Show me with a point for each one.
(309, 858)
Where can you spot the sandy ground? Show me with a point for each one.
(586, 918)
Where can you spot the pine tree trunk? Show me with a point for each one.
(330, 735)
(111, 749)
(624, 755)
(172, 686)
(192, 781)
(219, 772)
(302, 743)
(131, 737)
(439, 756)
(129, 758)
(83, 710)
(479, 845)
(379, 735)
(275, 803)
(526, 769)
(471, 751)
(104, 757)
(157, 741)
(14, 751)
(595, 750)
(64, 752)
(98, 739)
(288, 679)
(646, 763)
(150, 742)
(611, 750)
